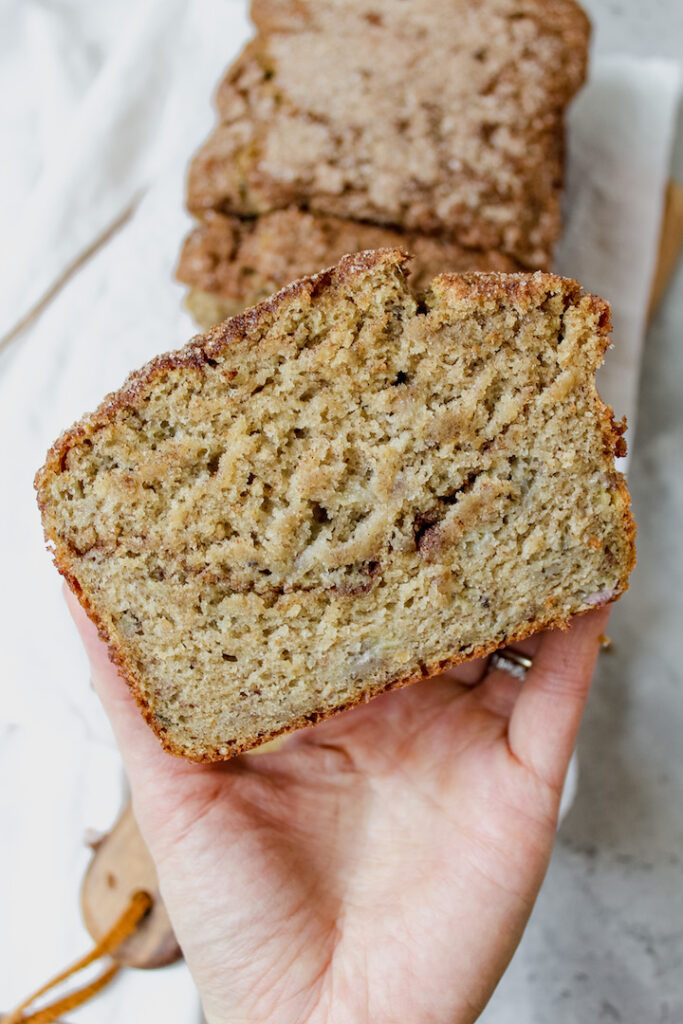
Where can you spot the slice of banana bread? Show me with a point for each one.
(440, 116)
(342, 491)
(232, 263)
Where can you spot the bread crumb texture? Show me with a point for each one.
(438, 116)
(341, 491)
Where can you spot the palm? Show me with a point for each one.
(380, 867)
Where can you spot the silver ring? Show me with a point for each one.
(512, 662)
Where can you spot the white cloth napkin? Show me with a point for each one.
(111, 108)
(621, 130)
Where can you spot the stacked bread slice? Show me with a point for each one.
(435, 125)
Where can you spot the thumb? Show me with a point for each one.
(547, 714)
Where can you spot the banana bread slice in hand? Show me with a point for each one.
(341, 491)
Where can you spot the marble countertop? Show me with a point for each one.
(605, 942)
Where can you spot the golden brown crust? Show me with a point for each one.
(522, 290)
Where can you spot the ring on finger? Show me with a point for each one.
(512, 662)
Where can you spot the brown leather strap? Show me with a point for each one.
(127, 923)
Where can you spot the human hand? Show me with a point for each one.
(379, 867)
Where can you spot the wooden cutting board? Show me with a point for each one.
(122, 865)
(670, 244)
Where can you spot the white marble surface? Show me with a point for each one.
(605, 943)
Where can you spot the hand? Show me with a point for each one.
(381, 866)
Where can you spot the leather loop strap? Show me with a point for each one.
(139, 905)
